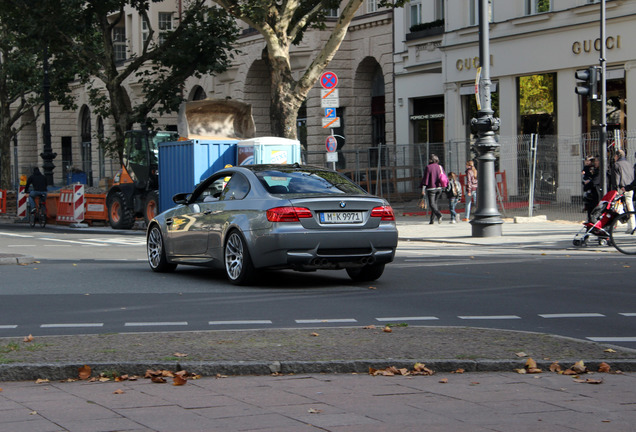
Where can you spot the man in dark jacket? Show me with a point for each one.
(38, 181)
(623, 176)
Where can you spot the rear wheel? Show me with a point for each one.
(366, 273)
(119, 215)
(151, 205)
(622, 235)
(32, 215)
(238, 264)
(157, 252)
(42, 216)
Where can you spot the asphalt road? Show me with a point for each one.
(100, 283)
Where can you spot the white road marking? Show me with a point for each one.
(489, 317)
(72, 325)
(73, 241)
(319, 321)
(573, 315)
(247, 322)
(422, 318)
(15, 235)
(612, 339)
(628, 314)
(151, 324)
(8, 326)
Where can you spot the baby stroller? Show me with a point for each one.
(610, 206)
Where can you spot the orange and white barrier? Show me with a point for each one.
(22, 202)
(70, 207)
(3, 201)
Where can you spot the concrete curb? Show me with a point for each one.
(7, 259)
(63, 371)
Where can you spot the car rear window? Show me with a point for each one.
(308, 182)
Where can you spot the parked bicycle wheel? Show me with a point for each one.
(623, 237)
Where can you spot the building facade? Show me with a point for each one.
(363, 64)
(535, 49)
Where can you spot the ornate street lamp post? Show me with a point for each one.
(487, 221)
(47, 154)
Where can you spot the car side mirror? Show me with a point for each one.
(180, 198)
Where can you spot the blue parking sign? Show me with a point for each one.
(330, 113)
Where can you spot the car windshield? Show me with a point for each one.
(307, 182)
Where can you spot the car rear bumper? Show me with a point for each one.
(314, 249)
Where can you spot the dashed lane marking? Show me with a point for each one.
(573, 315)
(72, 325)
(612, 339)
(246, 322)
(155, 324)
(319, 321)
(489, 317)
(422, 318)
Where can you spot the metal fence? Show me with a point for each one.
(536, 175)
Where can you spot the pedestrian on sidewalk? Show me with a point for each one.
(454, 194)
(591, 175)
(623, 176)
(471, 188)
(431, 185)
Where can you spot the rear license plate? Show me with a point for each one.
(341, 217)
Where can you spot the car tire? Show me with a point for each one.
(238, 263)
(366, 273)
(151, 205)
(119, 215)
(156, 250)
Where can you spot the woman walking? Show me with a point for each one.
(432, 186)
(454, 194)
(471, 187)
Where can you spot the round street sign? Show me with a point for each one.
(328, 80)
(331, 143)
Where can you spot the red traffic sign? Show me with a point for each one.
(328, 80)
(331, 143)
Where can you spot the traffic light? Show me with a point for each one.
(589, 85)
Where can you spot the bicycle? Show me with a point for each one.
(38, 216)
(622, 237)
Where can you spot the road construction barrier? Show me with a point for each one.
(3, 201)
(22, 202)
(70, 207)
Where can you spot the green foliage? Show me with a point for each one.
(428, 25)
(536, 94)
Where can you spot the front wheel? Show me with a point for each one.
(157, 252)
(151, 205)
(623, 233)
(238, 264)
(366, 273)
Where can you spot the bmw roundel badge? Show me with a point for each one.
(343, 204)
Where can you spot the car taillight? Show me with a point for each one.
(288, 214)
(384, 212)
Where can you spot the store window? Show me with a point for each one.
(427, 120)
(537, 145)
(616, 107)
(473, 12)
(538, 6)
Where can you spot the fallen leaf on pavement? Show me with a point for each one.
(314, 334)
(609, 350)
(369, 327)
(443, 381)
(555, 367)
(118, 391)
(387, 329)
(579, 367)
(459, 371)
(41, 381)
(314, 411)
(84, 372)
(179, 380)
(28, 338)
(604, 367)
(178, 354)
(589, 381)
(521, 354)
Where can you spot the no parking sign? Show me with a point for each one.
(328, 80)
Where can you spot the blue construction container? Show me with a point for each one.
(184, 164)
